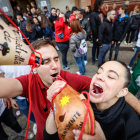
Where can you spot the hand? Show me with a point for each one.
(99, 134)
(54, 88)
(112, 42)
(7, 102)
(54, 22)
(14, 104)
(97, 40)
(100, 46)
(118, 42)
(88, 18)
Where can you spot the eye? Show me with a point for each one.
(46, 62)
(111, 77)
(56, 59)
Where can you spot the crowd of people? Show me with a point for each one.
(72, 30)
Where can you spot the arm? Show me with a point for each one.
(133, 102)
(59, 23)
(10, 88)
(100, 34)
(88, 28)
(72, 44)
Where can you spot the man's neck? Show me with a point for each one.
(21, 19)
(109, 18)
(122, 15)
(81, 18)
(103, 106)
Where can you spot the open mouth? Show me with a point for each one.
(97, 89)
(54, 75)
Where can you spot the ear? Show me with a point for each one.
(122, 92)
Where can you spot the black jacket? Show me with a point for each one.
(36, 34)
(23, 28)
(119, 122)
(105, 32)
(135, 21)
(87, 15)
(52, 19)
(67, 14)
(95, 21)
(120, 29)
(85, 25)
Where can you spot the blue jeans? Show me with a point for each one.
(64, 50)
(24, 108)
(134, 57)
(116, 50)
(95, 46)
(85, 57)
(102, 53)
(81, 64)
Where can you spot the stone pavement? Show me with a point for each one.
(90, 71)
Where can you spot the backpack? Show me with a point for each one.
(83, 47)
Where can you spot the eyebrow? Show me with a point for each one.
(111, 71)
(49, 58)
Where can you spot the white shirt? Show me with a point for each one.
(15, 71)
(2, 106)
(138, 41)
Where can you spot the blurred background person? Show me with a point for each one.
(61, 28)
(46, 27)
(33, 30)
(67, 14)
(117, 13)
(46, 12)
(57, 12)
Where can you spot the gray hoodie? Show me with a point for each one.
(75, 41)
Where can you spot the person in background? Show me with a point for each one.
(7, 117)
(134, 25)
(33, 10)
(18, 9)
(74, 13)
(28, 10)
(35, 15)
(34, 30)
(120, 29)
(127, 4)
(135, 7)
(24, 15)
(85, 25)
(36, 21)
(46, 12)
(77, 34)
(53, 18)
(33, 5)
(57, 12)
(96, 18)
(39, 12)
(131, 64)
(46, 27)
(87, 16)
(67, 14)
(105, 36)
(117, 13)
(62, 43)
(23, 27)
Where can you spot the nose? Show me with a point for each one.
(54, 65)
(100, 76)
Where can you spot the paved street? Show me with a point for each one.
(90, 71)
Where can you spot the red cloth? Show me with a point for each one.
(72, 16)
(117, 14)
(78, 82)
(59, 29)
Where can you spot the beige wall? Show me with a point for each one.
(61, 4)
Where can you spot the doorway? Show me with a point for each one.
(21, 3)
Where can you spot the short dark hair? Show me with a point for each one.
(81, 11)
(53, 8)
(41, 43)
(19, 14)
(67, 7)
(127, 74)
(125, 8)
(74, 8)
(45, 7)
